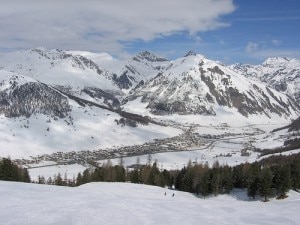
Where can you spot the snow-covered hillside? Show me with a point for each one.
(282, 74)
(37, 119)
(196, 85)
(56, 67)
(124, 203)
(72, 74)
(127, 74)
(65, 101)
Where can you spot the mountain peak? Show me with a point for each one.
(190, 53)
(146, 55)
(273, 60)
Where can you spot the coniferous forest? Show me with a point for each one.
(9, 171)
(271, 177)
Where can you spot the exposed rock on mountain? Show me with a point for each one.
(188, 85)
(196, 85)
(140, 68)
(66, 72)
(282, 74)
(54, 100)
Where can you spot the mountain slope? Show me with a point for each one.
(282, 74)
(38, 119)
(54, 100)
(127, 74)
(23, 96)
(196, 85)
(124, 203)
(140, 69)
(73, 74)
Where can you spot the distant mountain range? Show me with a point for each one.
(68, 86)
(188, 85)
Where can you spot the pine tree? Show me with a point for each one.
(135, 176)
(58, 180)
(25, 177)
(283, 181)
(86, 177)
(11, 172)
(41, 180)
(265, 183)
(49, 181)
(227, 181)
(120, 173)
(204, 184)
(240, 175)
(79, 179)
(108, 171)
(215, 181)
(253, 180)
(179, 179)
(295, 175)
(165, 179)
(97, 175)
(153, 174)
(187, 180)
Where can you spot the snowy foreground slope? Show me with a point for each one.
(123, 203)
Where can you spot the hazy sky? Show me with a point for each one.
(225, 30)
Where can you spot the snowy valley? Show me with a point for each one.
(65, 111)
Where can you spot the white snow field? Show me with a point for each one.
(124, 203)
(92, 128)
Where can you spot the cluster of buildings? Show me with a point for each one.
(183, 142)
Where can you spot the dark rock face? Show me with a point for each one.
(108, 98)
(279, 86)
(190, 53)
(33, 98)
(150, 57)
(280, 73)
(123, 81)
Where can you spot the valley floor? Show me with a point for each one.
(125, 203)
(230, 145)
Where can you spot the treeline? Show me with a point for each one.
(143, 174)
(290, 144)
(271, 177)
(9, 171)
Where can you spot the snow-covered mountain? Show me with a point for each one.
(71, 74)
(127, 74)
(196, 85)
(53, 100)
(140, 69)
(36, 118)
(282, 74)
(23, 96)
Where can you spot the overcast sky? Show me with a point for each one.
(225, 30)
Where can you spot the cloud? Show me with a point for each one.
(251, 47)
(104, 25)
(270, 48)
(266, 53)
(276, 42)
